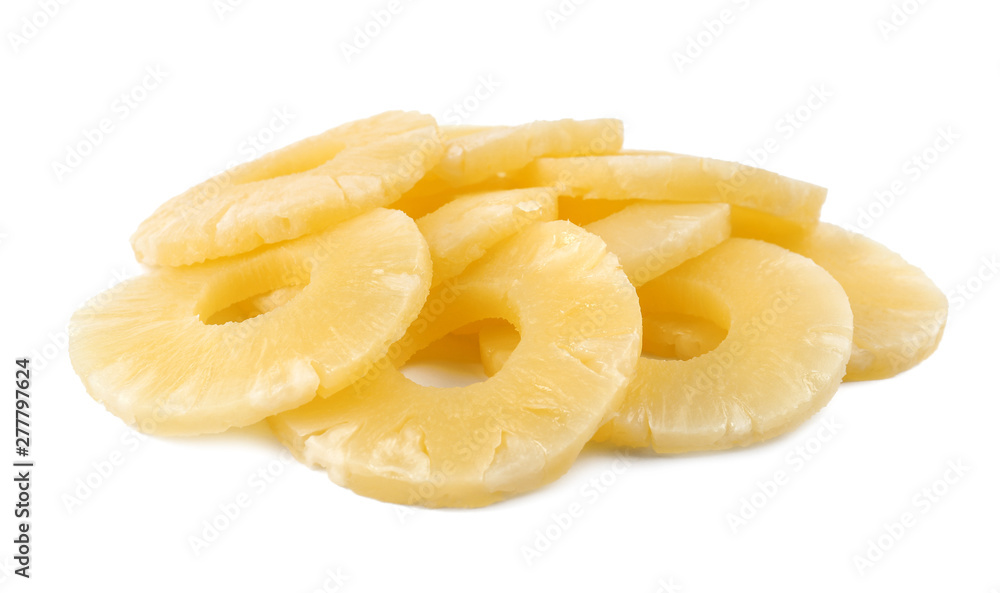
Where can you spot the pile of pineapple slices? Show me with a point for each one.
(643, 299)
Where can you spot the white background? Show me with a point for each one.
(661, 525)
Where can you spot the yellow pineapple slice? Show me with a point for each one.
(143, 350)
(789, 338)
(391, 439)
(679, 336)
(461, 231)
(664, 334)
(458, 233)
(299, 189)
(680, 178)
(474, 154)
(651, 238)
(899, 314)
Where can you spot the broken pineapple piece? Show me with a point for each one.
(461, 231)
(650, 239)
(391, 439)
(680, 178)
(144, 351)
(296, 190)
(899, 314)
(789, 338)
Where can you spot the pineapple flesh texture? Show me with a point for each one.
(144, 351)
(391, 439)
(461, 231)
(789, 338)
(899, 313)
(476, 154)
(649, 239)
(770, 198)
(297, 190)
(458, 233)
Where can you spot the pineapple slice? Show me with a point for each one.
(789, 338)
(299, 189)
(474, 154)
(650, 239)
(899, 314)
(665, 335)
(681, 178)
(679, 336)
(391, 439)
(458, 233)
(143, 350)
(461, 231)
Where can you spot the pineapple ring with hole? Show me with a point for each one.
(649, 239)
(768, 198)
(679, 336)
(391, 439)
(789, 339)
(477, 154)
(899, 313)
(296, 190)
(457, 234)
(666, 335)
(143, 350)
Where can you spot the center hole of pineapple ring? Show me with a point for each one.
(250, 291)
(688, 324)
(451, 361)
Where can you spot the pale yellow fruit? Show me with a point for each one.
(458, 233)
(475, 154)
(664, 334)
(789, 338)
(144, 351)
(461, 231)
(651, 238)
(899, 313)
(391, 439)
(680, 178)
(299, 189)
(679, 336)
